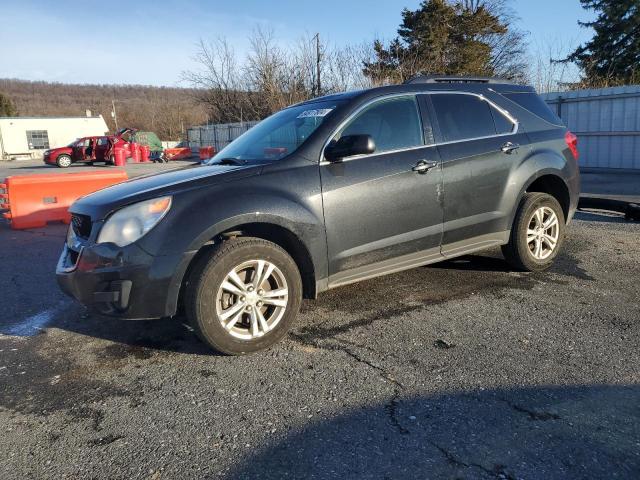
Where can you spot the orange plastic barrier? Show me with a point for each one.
(207, 152)
(35, 200)
(178, 153)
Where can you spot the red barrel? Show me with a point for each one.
(135, 152)
(145, 153)
(120, 157)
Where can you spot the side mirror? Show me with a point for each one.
(348, 146)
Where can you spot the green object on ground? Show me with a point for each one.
(149, 138)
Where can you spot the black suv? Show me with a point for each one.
(324, 193)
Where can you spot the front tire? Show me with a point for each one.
(63, 161)
(244, 296)
(537, 233)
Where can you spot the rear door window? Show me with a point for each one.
(463, 117)
(503, 124)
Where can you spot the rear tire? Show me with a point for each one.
(63, 161)
(537, 234)
(243, 296)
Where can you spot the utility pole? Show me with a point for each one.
(318, 58)
(113, 113)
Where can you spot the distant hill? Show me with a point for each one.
(168, 111)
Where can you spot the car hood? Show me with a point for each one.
(99, 204)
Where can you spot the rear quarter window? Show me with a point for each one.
(537, 106)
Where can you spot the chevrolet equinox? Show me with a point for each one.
(324, 193)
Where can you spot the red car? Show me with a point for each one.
(89, 149)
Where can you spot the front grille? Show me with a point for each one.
(81, 225)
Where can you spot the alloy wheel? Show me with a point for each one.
(543, 232)
(252, 299)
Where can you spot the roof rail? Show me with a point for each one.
(456, 79)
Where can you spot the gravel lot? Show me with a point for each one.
(464, 369)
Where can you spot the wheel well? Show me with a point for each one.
(554, 186)
(290, 243)
(272, 233)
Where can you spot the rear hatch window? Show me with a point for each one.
(537, 106)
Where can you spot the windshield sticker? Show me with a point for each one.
(320, 112)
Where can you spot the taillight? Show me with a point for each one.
(572, 143)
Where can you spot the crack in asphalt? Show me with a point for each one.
(533, 414)
(391, 407)
(498, 471)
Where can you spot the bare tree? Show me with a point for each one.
(219, 81)
(343, 67)
(548, 74)
(271, 76)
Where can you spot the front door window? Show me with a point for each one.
(393, 123)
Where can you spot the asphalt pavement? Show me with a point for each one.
(27, 167)
(462, 370)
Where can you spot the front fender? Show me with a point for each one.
(56, 153)
(288, 199)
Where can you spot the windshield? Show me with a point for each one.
(277, 136)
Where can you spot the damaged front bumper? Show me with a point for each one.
(126, 282)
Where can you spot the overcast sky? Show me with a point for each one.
(151, 42)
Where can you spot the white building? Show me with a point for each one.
(29, 137)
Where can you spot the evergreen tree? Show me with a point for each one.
(7, 109)
(443, 37)
(612, 56)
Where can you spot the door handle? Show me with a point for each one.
(509, 148)
(423, 166)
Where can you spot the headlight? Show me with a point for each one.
(130, 223)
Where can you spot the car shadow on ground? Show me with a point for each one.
(478, 263)
(540, 432)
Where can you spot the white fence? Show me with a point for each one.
(607, 123)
